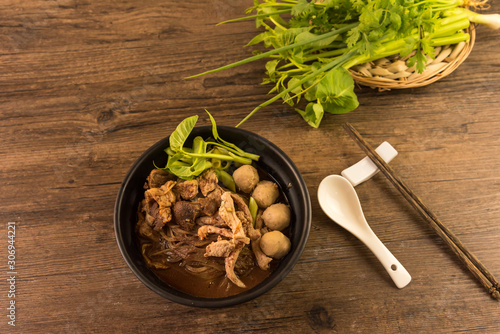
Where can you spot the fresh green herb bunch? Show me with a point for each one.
(314, 43)
(210, 153)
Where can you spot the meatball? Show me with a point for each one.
(275, 244)
(265, 193)
(246, 178)
(277, 216)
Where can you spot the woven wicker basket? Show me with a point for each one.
(392, 73)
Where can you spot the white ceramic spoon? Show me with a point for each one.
(339, 201)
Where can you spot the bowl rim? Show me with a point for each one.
(270, 282)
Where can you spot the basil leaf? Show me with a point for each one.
(181, 133)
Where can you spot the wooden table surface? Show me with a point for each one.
(87, 86)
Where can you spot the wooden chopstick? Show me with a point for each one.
(475, 266)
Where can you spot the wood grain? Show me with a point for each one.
(87, 86)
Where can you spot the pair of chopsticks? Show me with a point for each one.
(482, 274)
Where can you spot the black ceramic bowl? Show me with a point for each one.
(272, 160)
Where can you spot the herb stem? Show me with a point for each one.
(327, 54)
(275, 51)
(246, 155)
(256, 16)
(337, 62)
(220, 157)
(396, 47)
(276, 23)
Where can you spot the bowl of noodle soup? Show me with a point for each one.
(273, 163)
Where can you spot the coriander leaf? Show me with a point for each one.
(358, 4)
(287, 37)
(418, 60)
(335, 92)
(427, 47)
(410, 45)
(353, 36)
(302, 8)
(395, 21)
(181, 133)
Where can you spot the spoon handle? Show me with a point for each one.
(398, 273)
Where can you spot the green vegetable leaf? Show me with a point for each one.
(418, 60)
(179, 168)
(226, 179)
(307, 35)
(200, 163)
(410, 44)
(292, 82)
(335, 92)
(310, 91)
(254, 209)
(228, 145)
(259, 38)
(303, 7)
(313, 114)
(189, 162)
(288, 37)
(184, 166)
(181, 133)
(395, 21)
(342, 33)
(353, 36)
(427, 47)
(271, 67)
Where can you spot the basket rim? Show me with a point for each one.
(420, 80)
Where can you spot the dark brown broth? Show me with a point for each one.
(179, 278)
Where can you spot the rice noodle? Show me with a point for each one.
(178, 246)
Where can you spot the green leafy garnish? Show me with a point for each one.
(226, 179)
(181, 133)
(335, 92)
(254, 208)
(190, 162)
(313, 44)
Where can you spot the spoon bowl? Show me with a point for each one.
(339, 201)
